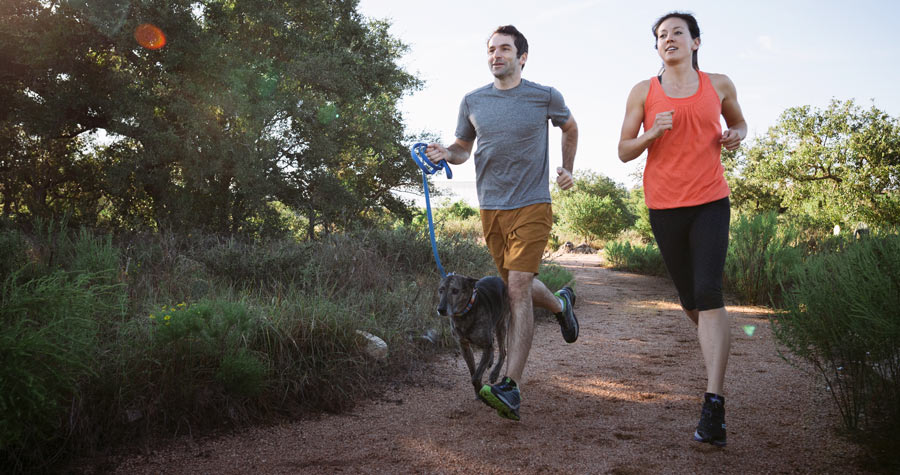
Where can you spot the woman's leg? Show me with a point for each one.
(709, 248)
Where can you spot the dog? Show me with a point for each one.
(479, 312)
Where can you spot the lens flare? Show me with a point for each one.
(328, 113)
(149, 36)
(749, 329)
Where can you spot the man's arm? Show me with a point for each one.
(569, 145)
(455, 154)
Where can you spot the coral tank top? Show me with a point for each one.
(684, 166)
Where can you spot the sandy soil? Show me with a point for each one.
(623, 399)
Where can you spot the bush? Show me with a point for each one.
(49, 347)
(13, 252)
(555, 276)
(642, 259)
(595, 208)
(760, 256)
(240, 332)
(841, 316)
(638, 207)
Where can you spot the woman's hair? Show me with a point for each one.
(693, 28)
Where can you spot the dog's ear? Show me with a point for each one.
(470, 282)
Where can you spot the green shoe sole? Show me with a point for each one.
(502, 409)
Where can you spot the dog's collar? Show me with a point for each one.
(471, 303)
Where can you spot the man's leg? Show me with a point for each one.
(561, 304)
(521, 324)
(542, 297)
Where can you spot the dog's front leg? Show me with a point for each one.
(468, 356)
(487, 357)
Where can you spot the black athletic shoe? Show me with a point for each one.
(711, 428)
(568, 324)
(503, 397)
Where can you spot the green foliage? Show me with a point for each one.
(457, 218)
(239, 108)
(460, 210)
(49, 349)
(638, 208)
(761, 254)
(272, 330)
(242, 373)
(595, 208)
(840, 165)
(841, 316)
(643, 259)
(13, 252)
(555, 276)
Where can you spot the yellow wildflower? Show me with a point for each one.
(167, 317)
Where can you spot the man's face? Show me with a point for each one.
(502, 56)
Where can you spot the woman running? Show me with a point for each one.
(685, 189)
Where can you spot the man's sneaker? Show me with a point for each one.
(568, 324)
(503, 397)
(711, 428)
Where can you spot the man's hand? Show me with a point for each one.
(564, 178)
(437, 152)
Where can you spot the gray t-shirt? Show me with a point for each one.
(512, 159)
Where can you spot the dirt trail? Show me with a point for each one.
(623, 399)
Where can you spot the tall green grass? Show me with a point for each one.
(639, 258)
(51, 343)
(841, 316)
(761, 254)
(104, 342)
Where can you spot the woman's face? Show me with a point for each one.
(673, 41)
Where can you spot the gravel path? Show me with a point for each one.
(623, 399)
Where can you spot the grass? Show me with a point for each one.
(108, 341)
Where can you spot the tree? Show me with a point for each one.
(595, 208)
(246, 103)
(840, 165)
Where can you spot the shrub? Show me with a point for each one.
(13, 252)
(638, 207)
(642, 259)
(760, 256)
(555, 276)
(273, 331)
(841, 316)
(48, 346)
(595, 208)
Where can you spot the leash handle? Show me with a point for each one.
(428, 167)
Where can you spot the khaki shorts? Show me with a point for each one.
(516, 238)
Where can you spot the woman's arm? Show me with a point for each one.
(631, 145)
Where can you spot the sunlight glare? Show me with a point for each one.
(149, 36)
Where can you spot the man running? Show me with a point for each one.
(512, 173)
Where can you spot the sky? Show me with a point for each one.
(779, 54)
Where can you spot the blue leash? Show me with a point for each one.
(428, 168)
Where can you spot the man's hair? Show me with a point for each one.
(520, 41)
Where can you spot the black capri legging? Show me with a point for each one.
(694, 242)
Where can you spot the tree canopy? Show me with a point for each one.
(838, 165)
(202, 119)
